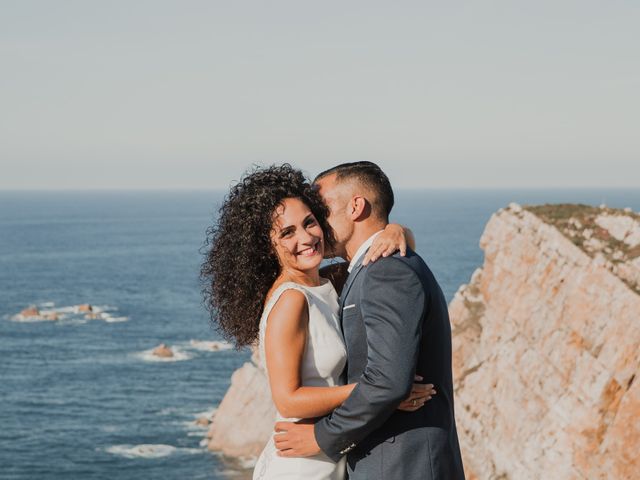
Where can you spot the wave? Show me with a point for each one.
(148, 450)
(171, 411)
(23, 319)
(70, 314)
(247, 462)
(72, 309)
(210, 346)
(206, 413)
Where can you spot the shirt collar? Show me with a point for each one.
(362, 249)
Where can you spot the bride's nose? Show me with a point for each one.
(306, 238)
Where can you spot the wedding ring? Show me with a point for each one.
(413, 402)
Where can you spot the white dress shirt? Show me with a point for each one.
(362, 249)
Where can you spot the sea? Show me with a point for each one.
(84, 398)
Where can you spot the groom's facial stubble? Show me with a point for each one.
(337, 196)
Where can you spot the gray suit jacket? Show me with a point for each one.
(396, 324)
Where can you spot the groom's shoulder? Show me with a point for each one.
(410, 264)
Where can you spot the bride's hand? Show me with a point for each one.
(420, 394)
(391, 239)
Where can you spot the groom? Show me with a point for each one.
(396, 325)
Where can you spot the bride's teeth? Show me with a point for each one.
(308, 251)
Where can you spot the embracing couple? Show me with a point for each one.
(358, 353)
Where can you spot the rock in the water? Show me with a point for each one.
(202, 421)
(246, 417)
(163, 351)
(546, 358)
(31, 311)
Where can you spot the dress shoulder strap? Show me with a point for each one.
(277, 293)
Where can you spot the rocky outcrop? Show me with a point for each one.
(31, 311)
(246, 416)
(546, 355)
(163, 351)
(546, 341)
(609, 235)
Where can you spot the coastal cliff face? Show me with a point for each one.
(546, 344)
(546, 341)
(246, 416)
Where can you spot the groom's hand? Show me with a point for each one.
(295, 440)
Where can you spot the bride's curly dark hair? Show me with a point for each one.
(241, 263)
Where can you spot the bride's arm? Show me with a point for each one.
(285, 339)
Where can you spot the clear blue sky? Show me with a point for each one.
(188, 94)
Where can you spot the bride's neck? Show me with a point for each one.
(309, 278)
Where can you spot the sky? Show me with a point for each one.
(189, 94)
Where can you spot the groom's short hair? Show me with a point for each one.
(370, 176)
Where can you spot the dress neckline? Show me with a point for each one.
(323, 283)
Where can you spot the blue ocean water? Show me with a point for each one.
(80, 399)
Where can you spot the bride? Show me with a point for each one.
(263, 284)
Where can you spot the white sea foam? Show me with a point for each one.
(72, 321)
(194, 429)
(70, 314)
(206, 414)
(247, 462)
(23, 319)
(148, 450)
(71, 309)
(178, 355)
(103, 308)
(210, 346)
(145, 450)
(49, 311)
(171, 411)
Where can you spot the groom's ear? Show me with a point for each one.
(360, 208)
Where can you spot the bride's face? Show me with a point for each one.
(297, 236)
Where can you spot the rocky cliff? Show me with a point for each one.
(547, 351)
(245, 418)
(546, 343)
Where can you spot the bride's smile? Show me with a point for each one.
(297, 238)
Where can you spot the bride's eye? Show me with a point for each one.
(286, 233)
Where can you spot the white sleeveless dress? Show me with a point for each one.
(323, 361)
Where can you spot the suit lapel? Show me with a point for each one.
(347, 286)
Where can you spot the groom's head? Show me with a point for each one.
(359, 197)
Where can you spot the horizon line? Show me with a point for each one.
(206, 189)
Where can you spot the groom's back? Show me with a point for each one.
(424, 443)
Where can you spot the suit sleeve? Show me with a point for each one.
(392, 306)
